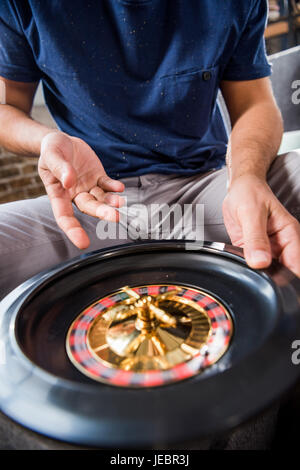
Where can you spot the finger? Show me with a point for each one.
(87, 204)
(67, 222)
(114, 200)
(290, 256)
(107, 198)
(108, 184)
(289, 240)
(276, 247)
(98, 193)
(256, 242)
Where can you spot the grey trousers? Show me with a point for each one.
(30, 240)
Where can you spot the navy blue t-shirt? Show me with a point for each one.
(137, 79)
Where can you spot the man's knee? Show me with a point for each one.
(26, 223)
(284, 180)
(29, 242)
(290, 159)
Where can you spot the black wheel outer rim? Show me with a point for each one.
(59, 408)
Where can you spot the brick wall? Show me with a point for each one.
(19, 178)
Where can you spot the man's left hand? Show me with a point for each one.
(258, 222)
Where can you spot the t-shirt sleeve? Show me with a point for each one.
(16, 56)
(249, 59)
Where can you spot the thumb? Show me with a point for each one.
(57, 159)
(68, 176)
(257, 250)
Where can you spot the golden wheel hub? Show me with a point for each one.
(137, 332)
(149, 332)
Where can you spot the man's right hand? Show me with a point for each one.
(71, 171)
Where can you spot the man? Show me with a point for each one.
(132, 85)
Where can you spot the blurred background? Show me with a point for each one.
(283, 29)
(18, 175)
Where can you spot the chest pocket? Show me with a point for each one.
(188, 100)
(180, 105)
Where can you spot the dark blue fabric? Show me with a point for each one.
(137, 79)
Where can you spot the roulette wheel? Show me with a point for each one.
(146, 345)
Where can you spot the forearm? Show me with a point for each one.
(19, 133)
(254, 141)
